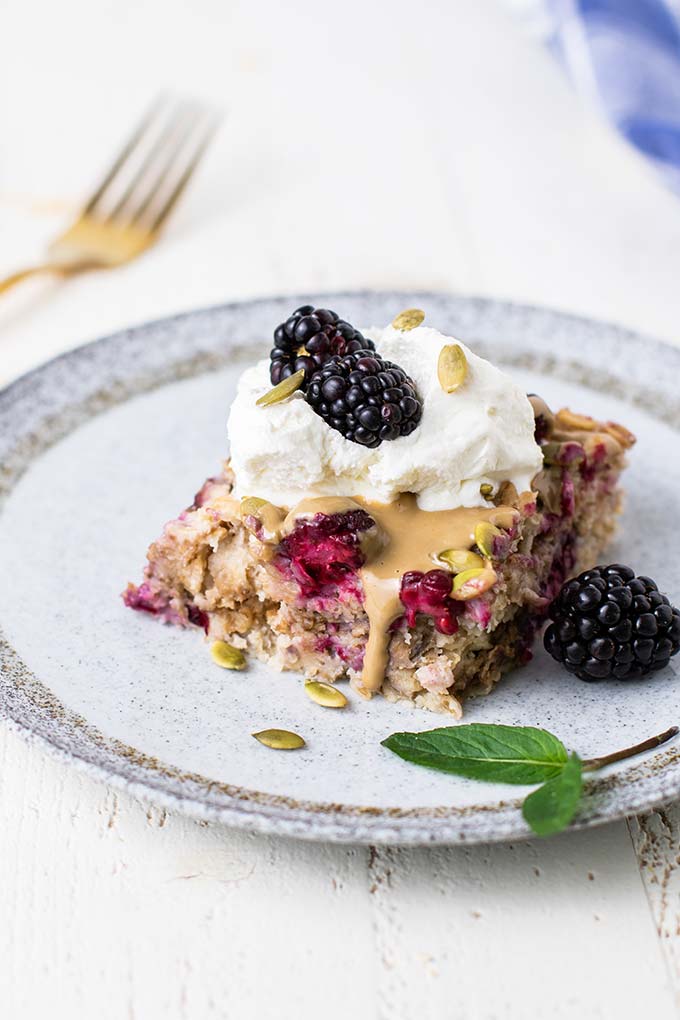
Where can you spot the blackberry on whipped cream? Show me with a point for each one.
(483, 434)
(308, 338)
(366, 399)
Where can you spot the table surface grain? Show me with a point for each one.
(364, 145)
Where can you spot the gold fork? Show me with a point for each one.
(126, 212)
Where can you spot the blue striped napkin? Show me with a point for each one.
(624, 56)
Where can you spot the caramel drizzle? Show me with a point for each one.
(415, 537)
(407, 538)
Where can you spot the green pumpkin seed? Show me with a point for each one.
(280, 740)
(486, 491)
(549, 490)
(325, 694)
(282, 390)
(486, 537)
(227, 656)
(470, 584)
(262, 519)
(408, 319)
(452, 368)
(250, 505)
(551, 452)
(459, 560)
(568, 452)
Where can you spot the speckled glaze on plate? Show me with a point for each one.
(100, 446)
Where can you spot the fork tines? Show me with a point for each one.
(155, 165)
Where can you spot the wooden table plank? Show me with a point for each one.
(112, 909)
(541, 929)
(656, 838)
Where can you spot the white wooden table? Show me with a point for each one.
(366, 144)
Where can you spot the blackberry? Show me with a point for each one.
(365, 398)
(308, 338)
(608, 623)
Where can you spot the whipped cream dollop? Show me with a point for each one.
(481, 433)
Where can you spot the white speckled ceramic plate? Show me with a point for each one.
(101, 446)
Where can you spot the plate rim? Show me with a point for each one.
(637, 788)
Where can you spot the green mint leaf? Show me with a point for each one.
(551, 807)
(498, 754)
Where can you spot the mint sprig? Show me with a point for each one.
(498, 754)
(551, 807)
(523, 755)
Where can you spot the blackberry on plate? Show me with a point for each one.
(365, 398)
(610, 624)
(308, 338)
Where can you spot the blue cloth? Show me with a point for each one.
(625, 56)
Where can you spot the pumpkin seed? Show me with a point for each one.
(460, 559)
(551, 452)
(486, 491)
(280, 740)
(250, 505)
(507, 495)
(504, 517)
(452, 368)
(325, 694)
(549, 489)
(487, 537)
(262, 519)
(227, 656)
(282, 390)
(568, 452)
(620, 434)
(408, 319)
(582, 422)
(472, 583)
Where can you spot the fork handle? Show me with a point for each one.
(24, 274)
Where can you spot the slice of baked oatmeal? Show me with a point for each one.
(302, 588)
